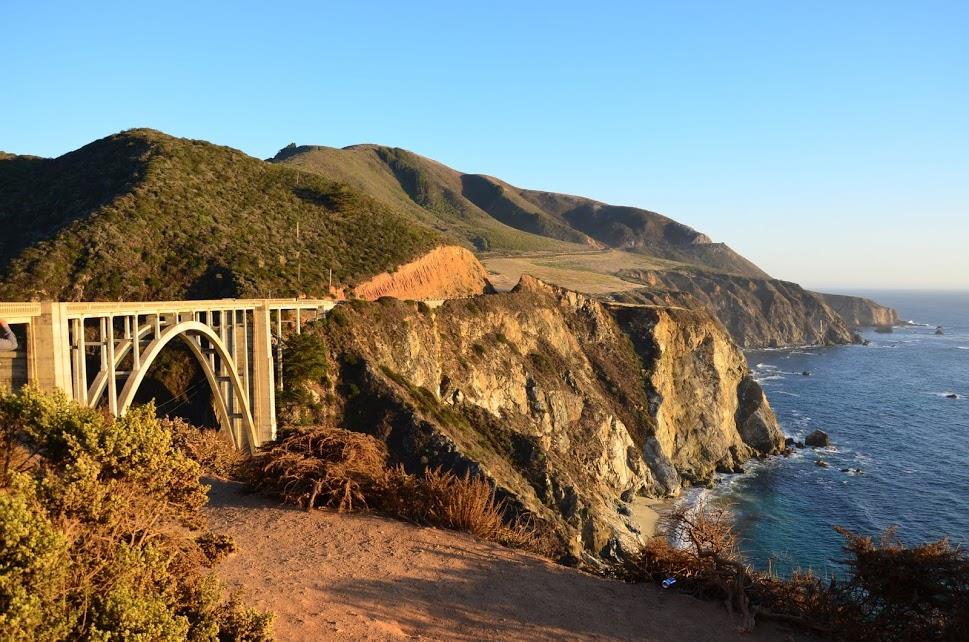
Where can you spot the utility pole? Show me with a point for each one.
(299, 253)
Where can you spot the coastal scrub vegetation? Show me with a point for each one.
(889, 593)
(345, 470)
(208, 447)
(141, 215)
(97, 517)
(305, 367)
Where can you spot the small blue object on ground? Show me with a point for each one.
(668, 582)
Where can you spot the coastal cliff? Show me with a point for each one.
(758, 313)
(570, 407)
(860, 312)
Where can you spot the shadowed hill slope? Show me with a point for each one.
(143, 215)
(493, 215)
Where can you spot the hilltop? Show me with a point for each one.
(144, 215)
(493, 215)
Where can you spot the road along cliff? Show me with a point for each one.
(570, 406)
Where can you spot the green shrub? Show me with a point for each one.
(93, 519)
(304, 361)
(33, 572)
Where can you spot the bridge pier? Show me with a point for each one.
(263, 375)
(48, 351)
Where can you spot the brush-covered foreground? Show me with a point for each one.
(335, 468)
(100, 524)
(889, 593)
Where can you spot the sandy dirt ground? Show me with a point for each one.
(591, 272)
(359, 576)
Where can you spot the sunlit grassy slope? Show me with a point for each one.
(495, 216)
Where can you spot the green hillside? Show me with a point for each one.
(143, 215)
(492, 215)
(428, 192)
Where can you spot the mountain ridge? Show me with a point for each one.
(576, 220)
(141, 214)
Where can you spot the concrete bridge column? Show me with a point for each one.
(49, 363)
(263, 386)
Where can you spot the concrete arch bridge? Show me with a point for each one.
(232, 340)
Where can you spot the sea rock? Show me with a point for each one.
(952, 395)
(817, 439)
(789, 442)
(939, 331)
(820, 463)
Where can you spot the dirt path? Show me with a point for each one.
(329, 576)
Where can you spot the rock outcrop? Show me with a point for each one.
(859, 312)
(571, 407)
(759, 313)
(710, 414)
(443, 273)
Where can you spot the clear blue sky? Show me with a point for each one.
(826, 141)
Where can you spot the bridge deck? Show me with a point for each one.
(24, 312)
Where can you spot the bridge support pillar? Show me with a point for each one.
(263, 385)
(49, 366)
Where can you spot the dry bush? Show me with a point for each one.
(210, 449)
(322, 467)
(95, 541)
(467, 503)
(215, 546)
(345, 470)
(890, 592)
(894, 592)
(709, 563)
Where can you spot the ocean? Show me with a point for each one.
(900, 447)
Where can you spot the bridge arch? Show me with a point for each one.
(232, 340)
(192, 333)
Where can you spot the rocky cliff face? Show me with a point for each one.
(569, 406)
(759, 313)
(444, 273)
(859, 312)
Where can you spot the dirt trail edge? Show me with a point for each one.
(358, 576)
